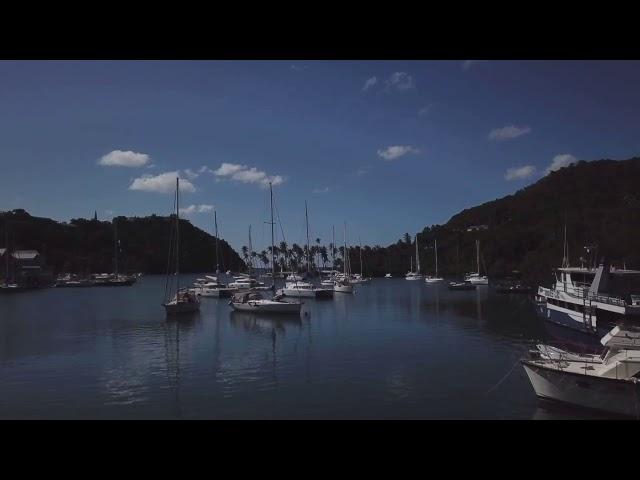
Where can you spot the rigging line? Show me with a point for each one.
(503, 378)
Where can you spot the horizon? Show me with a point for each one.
(389, 147)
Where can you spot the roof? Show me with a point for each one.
(25, 254)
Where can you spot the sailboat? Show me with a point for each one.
(476, 278)
(114, 279)
(429, 278)
(358, 278)
(298, 288)
(254, 301)
(411, 275)
(183, 301)
(342, 284)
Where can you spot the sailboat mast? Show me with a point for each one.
(115, 245)
(417, 256)
(250, 252)
(333, 245)
(360, 241)
(435, 246)
(273, 264)
(478, 255)
(215, 221)
(344, 256)
(306, 218)
(6, 251)
(177, 235)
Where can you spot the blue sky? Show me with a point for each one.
(386, 146)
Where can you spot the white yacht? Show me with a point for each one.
(294, 277)
(475, 277)
(305, 289)
(388, 275)
(183, 301)
(436, 278)
(609, 382)
(210, 287)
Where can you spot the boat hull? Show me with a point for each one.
(433, 280)
(343, 288)
(181, 308)
(270, 307)
(620, 397)
(214, 292)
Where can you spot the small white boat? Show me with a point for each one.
(609, 383)
(429, 279)
(343, 287)
(210, 287)
(388, 275)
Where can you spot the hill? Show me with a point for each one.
(524, 231)
(87, 246)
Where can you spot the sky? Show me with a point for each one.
(386, 146)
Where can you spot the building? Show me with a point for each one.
(24, 267)
(477, 228)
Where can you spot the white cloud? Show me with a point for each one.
(321, 190)
(362, 171)
(109, 212)
(163, 183)
(190, 174)
(400, 81)
(118, 158)
(560, 161)
(396, 151)
(244, 174)
(519, 173)
(424, 110)
(508, 132)
(369, 83)
(191, 209)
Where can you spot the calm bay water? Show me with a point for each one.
(394, 350)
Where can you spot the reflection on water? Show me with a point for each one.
(394, 349)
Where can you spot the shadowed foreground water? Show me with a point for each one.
(394, 350)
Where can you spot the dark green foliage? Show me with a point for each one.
(87, 246)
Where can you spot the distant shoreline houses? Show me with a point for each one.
(26, 268)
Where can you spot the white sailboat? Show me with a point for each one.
(298, 288)
(343, 285)
(183, 301)
(476, 278)
(358, 278)
(252, 301)
(429, 278)
(411, 275)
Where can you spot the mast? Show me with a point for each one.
(360, 240)
(478, 255)
(333, 246)
(565, 256)
(306, 218)
(435, 243)
(177, 235)
(250, 253)
(417, 256)
(273, 265)
(215, 221)
(344, 256)
(115, 244)
(6, 251)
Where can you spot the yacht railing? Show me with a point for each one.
(582, 293)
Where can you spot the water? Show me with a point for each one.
(394, 350)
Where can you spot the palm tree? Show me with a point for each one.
(318, 251)
(245, 254)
